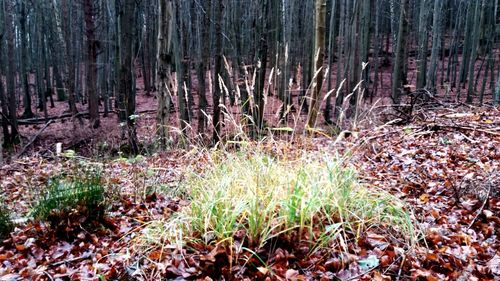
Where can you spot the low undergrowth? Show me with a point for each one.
(76, 197)
(248, 205)
(6, 224)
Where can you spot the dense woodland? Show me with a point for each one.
(249, 140)
(201, 58)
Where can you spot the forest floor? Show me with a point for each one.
(445, 166)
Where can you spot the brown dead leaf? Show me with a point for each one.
(292, 274)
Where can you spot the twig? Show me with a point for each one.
(480, 209)
(472, 129)
(82, 257)
(48, 275)
(438, 126)
(361, 274)
(401, 267)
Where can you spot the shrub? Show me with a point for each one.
(72, 197)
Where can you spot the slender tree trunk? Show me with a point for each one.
(163, 74)
(91, 74)
(478, 20)
(1, 148)
(319, 50)
(436, 38)
(63, 37)
(3, 98)
(377, 51)
(218, 72)
(398, 70)
(24, 74)
(258, 96)
(496, 98)
(422, 45)
(469, 27)
(203, 63)
(353, 69)
(182, 67)
(11, 71)
(331, 56)
(365, 22)
(127, 81)
(341, 61)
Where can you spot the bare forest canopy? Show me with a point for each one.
(209, 59)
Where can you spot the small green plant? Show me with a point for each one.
(78, 196)
(6, 224)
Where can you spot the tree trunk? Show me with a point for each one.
(203, 64)
(422, 45)
(496, 99)
(365, 22)
(182, 66)
(319, 50)
(377, 51)
(398, 70)
(331, 55)
(127, 82)
(63, 34)
(258, 94)
(469, 27)
(436, 38)
(163, 74)
(478, 20)
(218, 72)
(91, 75)
(24, 74)
(11, 72)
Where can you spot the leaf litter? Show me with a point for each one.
(445, 166)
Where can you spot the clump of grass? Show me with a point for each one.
(6, 224)
(315, 198)
(80, 194)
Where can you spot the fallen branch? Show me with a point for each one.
(84, 114)
(34, 121)
(23, 150)
(466, 128)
